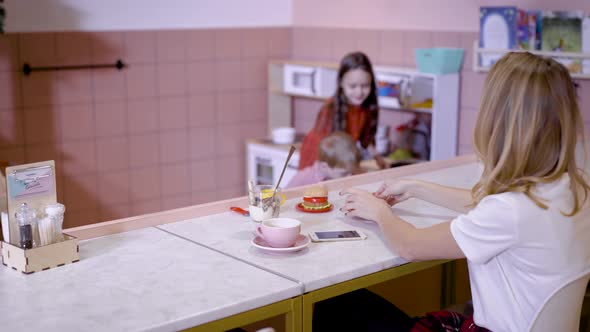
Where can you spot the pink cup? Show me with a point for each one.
(279, 232)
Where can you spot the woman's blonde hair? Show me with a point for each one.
(527, 128)
(339, 150)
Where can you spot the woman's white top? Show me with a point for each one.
(519, 253)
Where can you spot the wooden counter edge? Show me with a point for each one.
(195, 211)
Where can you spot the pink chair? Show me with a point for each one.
(561, 310)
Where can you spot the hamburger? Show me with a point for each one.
(315, 198)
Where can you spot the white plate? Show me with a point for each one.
(302, 242)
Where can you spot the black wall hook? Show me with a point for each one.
(27, 69)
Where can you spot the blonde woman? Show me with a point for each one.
(526, 223)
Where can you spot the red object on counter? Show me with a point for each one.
(240, 211)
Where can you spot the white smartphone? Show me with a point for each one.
(348, 235)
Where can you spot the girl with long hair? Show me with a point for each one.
(353, 109)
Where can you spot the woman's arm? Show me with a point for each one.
(395, 191)
(411, 243)
(457, 199)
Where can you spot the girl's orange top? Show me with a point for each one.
(359, 122)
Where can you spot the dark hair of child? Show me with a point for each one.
(354, 60)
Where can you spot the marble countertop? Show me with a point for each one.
(143, 280)
(154, 272)
(160, 277)
(326, 263)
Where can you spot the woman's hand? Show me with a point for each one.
(395, 191)
(363, 204)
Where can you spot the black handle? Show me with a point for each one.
(313, 81)
(27, 69)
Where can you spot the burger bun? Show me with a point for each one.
(315, 191)
(315, 198)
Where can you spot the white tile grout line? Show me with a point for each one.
(300, 283)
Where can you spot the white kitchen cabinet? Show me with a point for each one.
(443, 90)
(265, 162)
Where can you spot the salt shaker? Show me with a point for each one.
(55, 212)
(46, 235)
(26, 219)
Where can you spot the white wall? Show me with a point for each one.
(450, 15)
(430, 15)
(99, 15)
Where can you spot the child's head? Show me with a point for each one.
(356, 81)
(356, 86)
(527, 126)
(339, 150)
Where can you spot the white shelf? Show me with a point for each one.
(386, 108)
(407, 109)
(477, 51)
(404, 71)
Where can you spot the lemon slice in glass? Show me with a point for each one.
(267, 193)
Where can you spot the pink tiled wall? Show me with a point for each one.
(396, 48)
(166, 132)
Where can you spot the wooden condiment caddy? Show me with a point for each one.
(40, 258)
(21, 188)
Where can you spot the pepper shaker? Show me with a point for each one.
(26, 219)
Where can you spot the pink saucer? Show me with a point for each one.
(302, 242)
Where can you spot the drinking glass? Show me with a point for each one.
(261, 203)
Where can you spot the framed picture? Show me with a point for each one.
(497, 30)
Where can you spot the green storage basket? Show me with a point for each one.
(439, 60)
